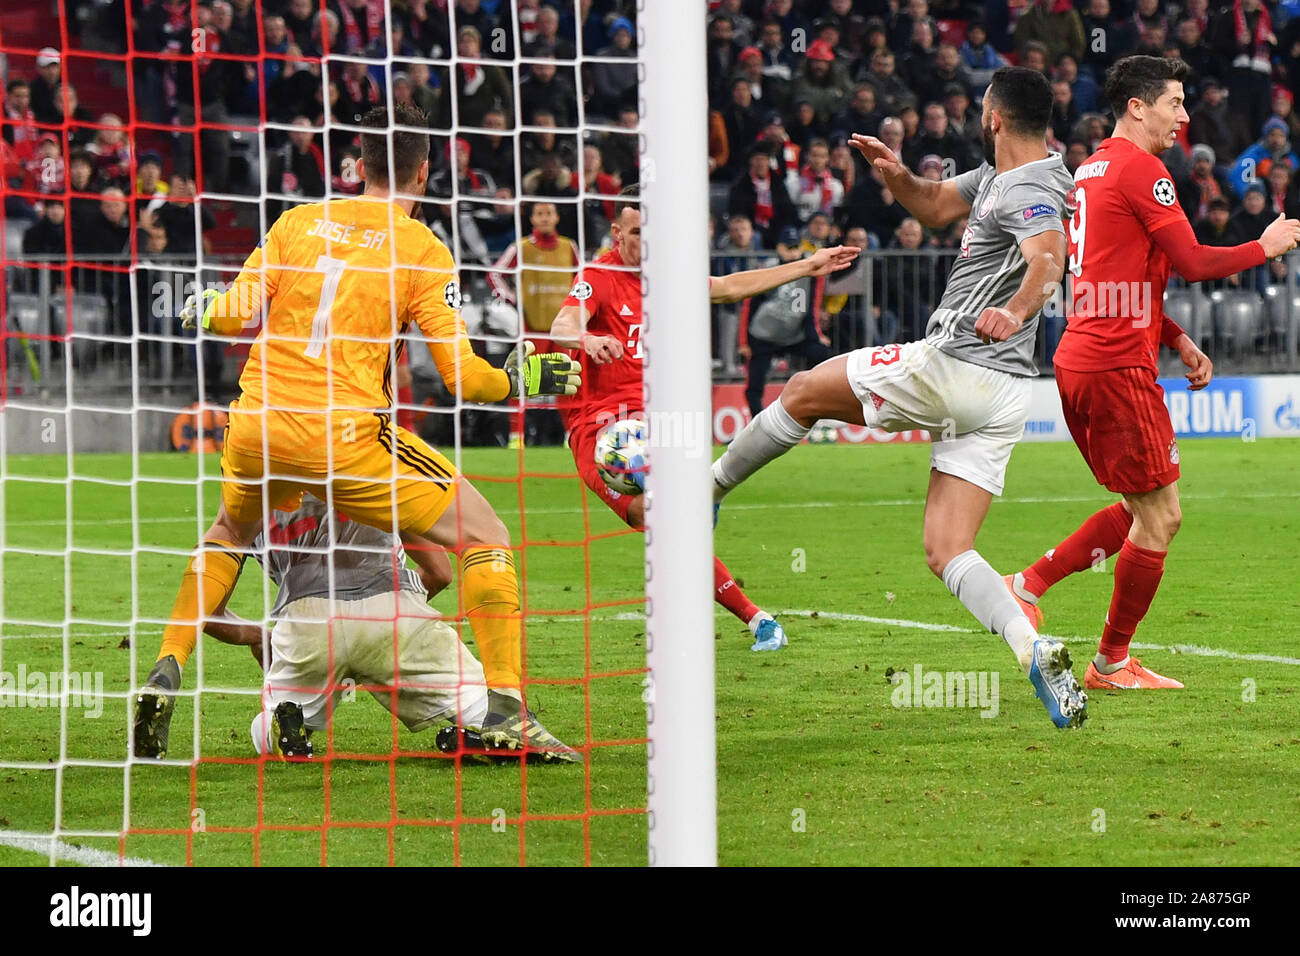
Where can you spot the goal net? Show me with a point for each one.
(154, 145)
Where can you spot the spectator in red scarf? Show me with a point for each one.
(112, 152)
(1203, 185)
(296, 171)
(819, 190)
(495, 152)
(594, 179)
(1242, 35)
(1282, 197)
(1147, 17)
(20, 134)
(469, 180)
(478, 87)
(358, 94)
(760, 194)
(362, 26)
(20, 123)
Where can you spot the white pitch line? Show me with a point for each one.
(770, 506)
(1194, 650)
(81, 855)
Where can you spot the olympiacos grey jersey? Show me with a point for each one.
(364, 558)
(1005, 210)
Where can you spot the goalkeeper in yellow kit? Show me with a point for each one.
(340, 281)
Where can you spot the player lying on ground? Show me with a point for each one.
(1128, 229)
(378, 631)
(967, 381)
(602, 317)
(341, 279)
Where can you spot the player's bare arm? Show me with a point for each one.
(432, 563)
(741, 285)
(1197, 263)
(1045, 256)
(229, 628)
(569, 331)
(1201, 369)
(933, 204)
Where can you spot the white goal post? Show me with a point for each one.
(682, 780)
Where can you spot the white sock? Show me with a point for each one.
(973, 581)
(261, 732)
(769, 435)
(1106, 667)
(1022, 592)
(758, 619)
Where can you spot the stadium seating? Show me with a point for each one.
(1191, 309)
(1239, 321)
(89, 318)
(1283, 318)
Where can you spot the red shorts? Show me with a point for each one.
(1119, 421)
(582, 442)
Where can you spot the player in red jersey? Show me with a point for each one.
(1126, 232)
(602, 317)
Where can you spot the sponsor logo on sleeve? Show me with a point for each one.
(451, 295)
(1040, 209)
(581, 291)
(1164, 192)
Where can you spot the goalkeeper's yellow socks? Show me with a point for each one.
(490, 590)
(211, 573)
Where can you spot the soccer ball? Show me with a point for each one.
(621, 456)
(823, 433)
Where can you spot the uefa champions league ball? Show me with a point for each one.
(621, 456)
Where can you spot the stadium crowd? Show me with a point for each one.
(788, 81)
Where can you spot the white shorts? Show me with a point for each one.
(975, 415)
(436, 677)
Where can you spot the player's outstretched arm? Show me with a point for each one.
(224, 313)
(229, 628)
(741, 285)
(567, 331)
(1045, 256)
(935, 205)
(1197, 263)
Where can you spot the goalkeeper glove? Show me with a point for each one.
(195, 314)
(550, 373)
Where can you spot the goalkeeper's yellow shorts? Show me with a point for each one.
(398, 482)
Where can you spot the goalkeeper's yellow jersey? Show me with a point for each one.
(340, 280)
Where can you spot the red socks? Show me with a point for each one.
(1137, 575)
(728, 593)
(1099, 537)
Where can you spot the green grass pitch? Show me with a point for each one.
(815, 763)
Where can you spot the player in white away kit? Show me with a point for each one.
(378, 631)
(967, 381)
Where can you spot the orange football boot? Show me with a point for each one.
(1031, 611)
(1132, 676)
